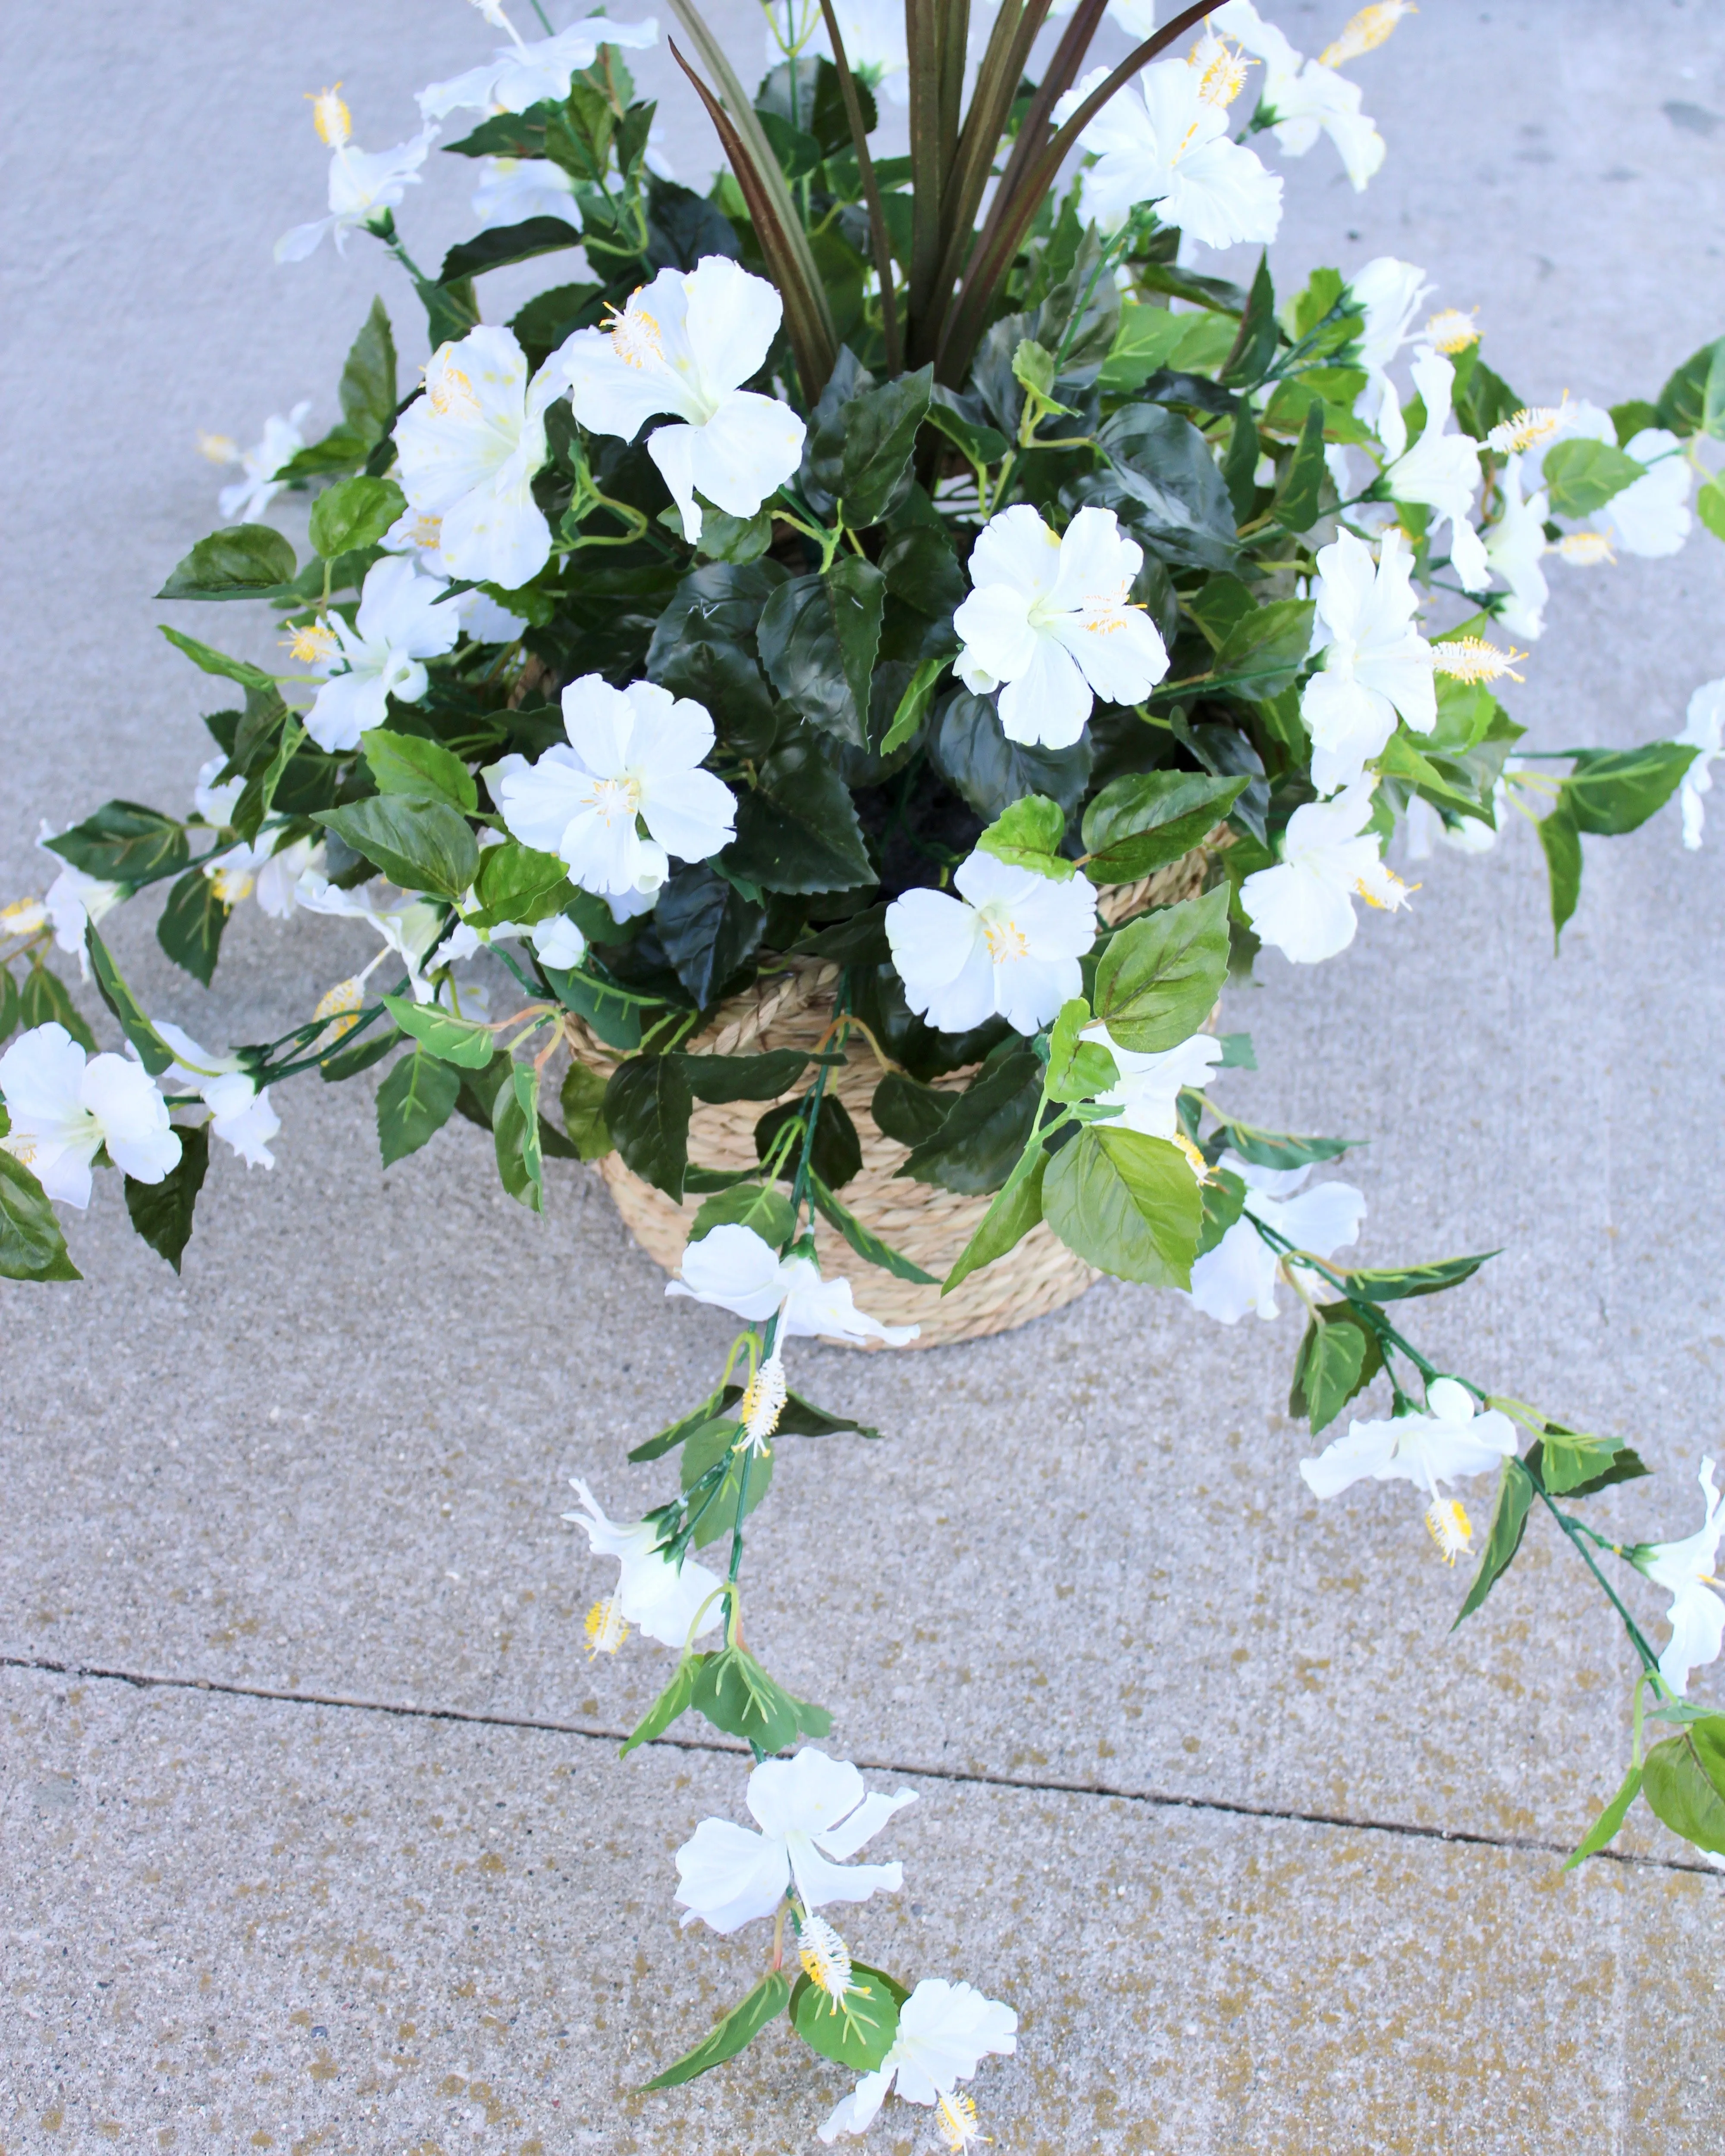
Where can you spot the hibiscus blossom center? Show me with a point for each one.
(1005, 939)
(1522, 430)
(1393, 893)
(314, 642)
(635, 335)
(824, 1956)
(1225, 72)
(763, 1404)
(1586, 549)
(617, 798)
(956, 2116)
(231, 884)
(330, 116)
(606, 1631)
(21, 1146)
(451, 389)
(1451, 1530)
(1104, 613)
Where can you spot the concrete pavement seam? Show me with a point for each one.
(1163, 1800)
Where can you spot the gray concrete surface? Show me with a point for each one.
(329, 1461)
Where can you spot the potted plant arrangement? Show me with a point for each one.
(853, 672)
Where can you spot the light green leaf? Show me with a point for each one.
(33, 1246)
(414, 1102)
(754, 1205)
(244, 561)
(735, 2033)
(1127, 1204)
(1684, 1781)
(1027, 836)
(1014, 1211)
(417, 769)
(856, 2031)
(452, 1040)
(1581, 476)
(514, 1126)
(422, 845)
(913, 705)
(1159, 978)
(1143, 821)
(354, 513)
(1604, 1827)
(1503, 1538)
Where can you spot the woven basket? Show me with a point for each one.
(793, 1009)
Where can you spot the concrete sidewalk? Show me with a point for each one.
(315, 1836)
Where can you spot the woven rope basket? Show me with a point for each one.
(924, 1223)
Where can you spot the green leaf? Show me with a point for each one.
(414, 1102)
(1078, 1069)
(1165, 486)
(1147, 819)
(10, 1005)
(736, 1694)
(647, 1107)
(1561, 840)
(584, 1104)
(913, 706)
(367, 390)
(1159, 978)
(1612, 791)
(982, 445)
(44, 1000)
(218, 662)
(153, 1051)
(863, 1240)
(1684, 401)
(671, 1703)
(1572, 1464)
(1263, 654)
(728, 538)
(1710, 507)
(719, 1079)
(452, 1040)
(1223, 1196)
(514, 1126)
(704, 1449)
(421, 770)
(986, 1130)
(818, 636)
(754, 1205)
(1027, 836)
(1127, 1204)
(33, 1246)
(735, 2033)
(517, 883)
(1581, 476)
(615, 1019)
(125, 843)
(1397, 1283)
(836, 1155)
(421, 845)
(796, 828)
(244, 561)
(1296, 505)
(354, 513)
(161, 1212)
(1684, 1781)
(502, 245)
(1254, 351)
(968, 747)
(189, 928)
(1016, 1209)
(908, 1111)
(1503, 1538)
(857, 2031)
(1338, 1357)
(1604, 1827)
(878, 430)
(368, 1049)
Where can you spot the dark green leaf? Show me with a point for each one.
(367, 390)
(1281, 1149)
(1338, 1357)
(683, 227)
(452, 1040)
(796, 828)
(879, 431)
(922, 569)
(968, 749)
(736, 1694)
(616, 1021)
(414, 1102)
(1159, 978)
(675, 1433)
(723, 1078)
(242, 563)
(1560, 840)
(514, 1126)
(9, 1006)
(818, 636)
(864, 1240)
(908, 1111)
(857, 2031)
(647, 1107)
(1581, 476)
(33, 1246)
(672, 1703)
(803, 1419)
(1296, 505)
(987, 1129)
(753, 1205)
(582, 1100)
(1239, 467)
(1254, 347)
(1396, 1283)
(1127, 1204)
(1503, 1538)
(504, 244)
(1147, 819)
(1262, 655)
(124, 843)
(354, 513)
(43, 1000)
(836, 1156)
(367, 1049)
(708, 928)
(1684, 1781)
(1604, 1827)
(1165, 486)
(1611, 791)
(1223, 1201)
(191, 924)
(153, 1051)
(422, 845)
(218, 662)
(735, 2033)
(161, 1212)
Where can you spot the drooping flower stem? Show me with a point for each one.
(1650, 1661)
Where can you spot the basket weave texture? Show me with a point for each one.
(793, 1009)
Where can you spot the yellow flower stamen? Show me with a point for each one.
(824, 1956)
(1471, 659)
(956, 2116)
(219, 448)
(1450, 331)
(231, 884)
(314, 642)
(1451, 1530)
(1006, 940)
(341, 1002)
(1223, 68)
(21, 1146)
(606, 1631)
(763, 1404)
(1365, 32)
(1585, 549)
(1397, 896)
(24, 917)
(1200, 1166)
(452, 387)
(635, 333)
(1523, 429)
(330, 116)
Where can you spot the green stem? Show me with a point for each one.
(1650, 1661)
